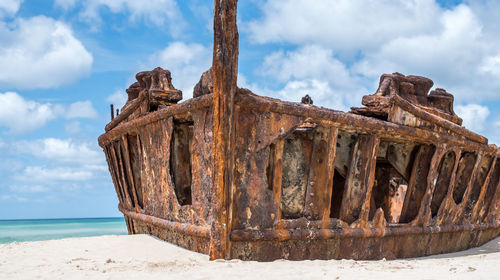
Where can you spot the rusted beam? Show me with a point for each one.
(121, 117)
(407, 106)
(225, 73)
(129, 171)
(318, 192)
(277, 171)
(359, 182)
(183, 228)
(178, 110)
(384, 130)
(321, 234)
(424, 213)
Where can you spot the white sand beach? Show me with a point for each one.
(145, 257)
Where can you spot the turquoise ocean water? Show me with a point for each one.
(35, 230)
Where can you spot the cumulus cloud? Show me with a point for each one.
(452, 58)
(21, 115)
(186, 62)
(345, 25)
(40, 52)
(9, 7)
(457, 47)
(29, 189)
(158, 12)
(65, 4)
(44, 174)
(474, 116)
(312, 70)
(81, 109)
(61, 150)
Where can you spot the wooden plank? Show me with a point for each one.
(359, 181)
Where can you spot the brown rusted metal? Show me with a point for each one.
(235, 175)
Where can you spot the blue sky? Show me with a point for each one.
(64, 61)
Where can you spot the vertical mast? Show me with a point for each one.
(225, 72)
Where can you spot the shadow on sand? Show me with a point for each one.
(489, 248)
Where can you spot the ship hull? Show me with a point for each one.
(307, 183)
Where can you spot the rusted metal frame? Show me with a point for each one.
(424, 115)
(459, 215)
(225, 72)
(424, 213)
(131, 127)
(326, 223)
(318, 191)
(341, 233)
(413, 183)
(452, 118)
(123, 178)
(184, 228)
(124, 114)
(118, 175)
(129, 172)
(113, 174)
(384, 130)
(332, 151)
(480, 201)
(355, 207)
(493, 212)
(277, 175)
(448, 203)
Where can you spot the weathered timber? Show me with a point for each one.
(235, 175)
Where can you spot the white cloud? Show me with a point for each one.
(13, 197)
(44, 174)
(29, 189)
(345, 25)
(312, 70)
(21, 115)
(456, 47)
(451, 58)
(118, 98)
(9, 7)
(65, 4)
(81, 109)
(186, 62)
(474, 116)
(40, 52)
(62, 150)
(158, 12)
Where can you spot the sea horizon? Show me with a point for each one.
(24, 230)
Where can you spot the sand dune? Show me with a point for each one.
(144, 257)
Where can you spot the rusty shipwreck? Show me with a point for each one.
(236, 175)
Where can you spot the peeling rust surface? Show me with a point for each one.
(235, 175)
